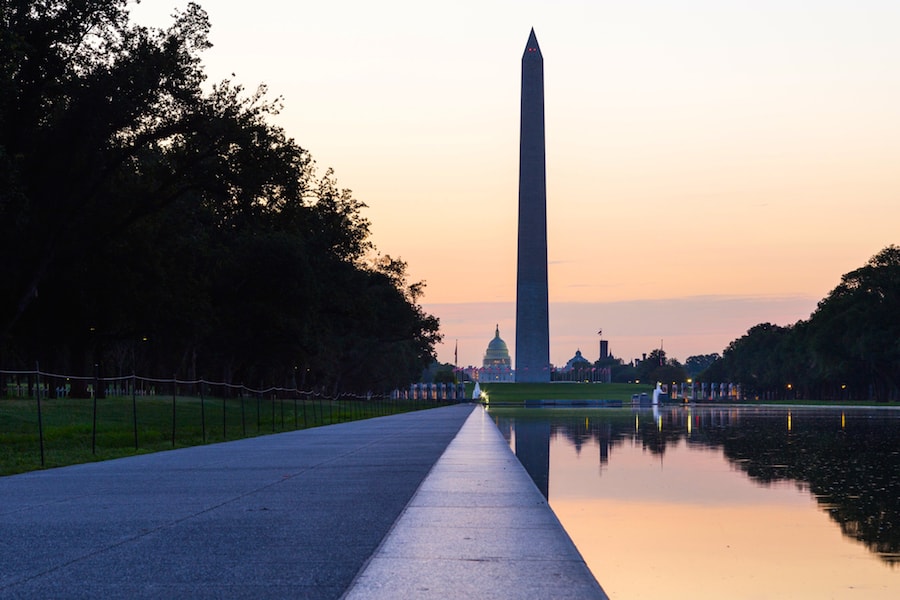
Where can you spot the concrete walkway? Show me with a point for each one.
(294, 515)
(477, 528)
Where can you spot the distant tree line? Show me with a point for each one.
(849, 348)
(653, 367)
(151, 223)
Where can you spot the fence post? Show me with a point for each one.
(174, 389)
(96, 392)
(258, 412)
(37, 368)
(202, 413)
(243, 417)
(134, 407)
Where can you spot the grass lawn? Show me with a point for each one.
(155, 423)
(518, 393)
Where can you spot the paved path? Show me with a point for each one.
(477, 528)
(293, 515)
(306, 514)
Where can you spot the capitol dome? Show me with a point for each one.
(497, 352)
(497, 365)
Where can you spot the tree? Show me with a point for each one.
(101, 122)
(645, 368)
(694, 365)
(671, 372)
(714, 373)
(138, 210)
(854, 334)
(438, 372)
(624, 373)
(769, 361)
(753, 359)
(848, 349)
(657, 368)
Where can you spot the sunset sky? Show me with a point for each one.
(711, 164)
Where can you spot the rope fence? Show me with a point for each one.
(49, 419)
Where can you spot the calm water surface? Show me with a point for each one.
(722, 502)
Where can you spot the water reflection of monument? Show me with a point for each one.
(533, 450)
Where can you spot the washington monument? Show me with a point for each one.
(532, 302)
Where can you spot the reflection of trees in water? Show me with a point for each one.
(852, 469)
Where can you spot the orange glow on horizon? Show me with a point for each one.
(743, 152)
(647, 525)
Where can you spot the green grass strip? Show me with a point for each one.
(70, 437)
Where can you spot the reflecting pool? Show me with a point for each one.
(722, 502)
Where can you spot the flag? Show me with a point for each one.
(455, 353)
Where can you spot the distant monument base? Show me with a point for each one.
(537, 377)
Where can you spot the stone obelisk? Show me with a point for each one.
(532, 301)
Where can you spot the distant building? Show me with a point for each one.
(578, 368)
(497, 365)
(577, 362)
(604, 349)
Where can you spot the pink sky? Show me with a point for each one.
(710, 165)
(686, 326)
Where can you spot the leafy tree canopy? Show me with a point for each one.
(149, 220)
(694, 365)
(849, 348)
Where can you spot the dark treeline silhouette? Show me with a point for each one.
(849, 348)
(149, 223)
